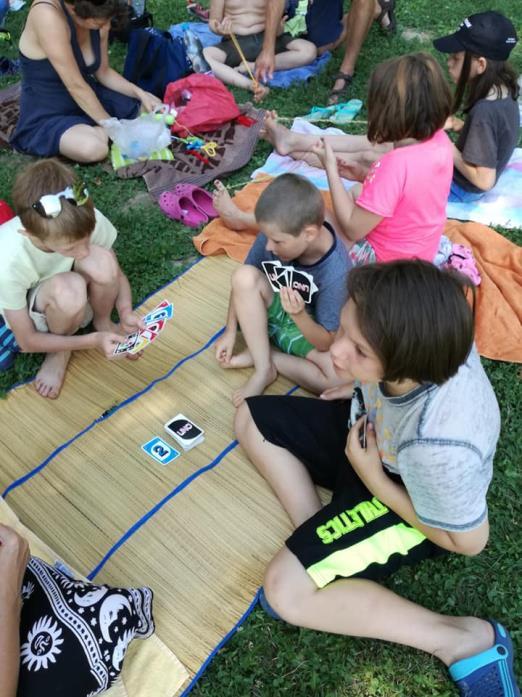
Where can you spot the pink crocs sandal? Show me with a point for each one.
(182, 208)
(200, 197)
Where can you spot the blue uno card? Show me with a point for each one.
(164, 311)
(159, 450)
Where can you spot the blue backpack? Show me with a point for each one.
(154, 59)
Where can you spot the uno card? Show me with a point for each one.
(271, 268)
(146, 337)
(304, 284)
(283, 277)
(163, 311)
(160, 451)
(127, 345)
(184, 431)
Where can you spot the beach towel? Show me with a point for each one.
(499, 297)
(282, 78)
(235, 145)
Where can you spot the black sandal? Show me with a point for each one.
(387, 8)
(337, 96)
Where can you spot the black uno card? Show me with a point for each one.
(271, 268)
(302, 283)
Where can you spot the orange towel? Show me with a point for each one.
(499, 296)
(217, 238)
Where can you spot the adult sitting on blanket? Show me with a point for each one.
(68, 87)
(409, 458)
(327, 29)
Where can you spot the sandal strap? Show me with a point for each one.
(344, 76)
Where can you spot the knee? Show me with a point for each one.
(245, 278)
(101, 266)
(242, 422)
(92, 149)
(68, 294)
(281, 593)
(309, 51)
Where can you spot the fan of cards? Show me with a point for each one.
(280, 276)
(155, 323)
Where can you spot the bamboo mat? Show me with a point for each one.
(199, 531)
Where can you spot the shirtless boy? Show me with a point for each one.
(246, 20)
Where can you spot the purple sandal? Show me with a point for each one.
(182, 208)
(200, 197)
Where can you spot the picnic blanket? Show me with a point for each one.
(200, 530)
(9, 112)
(501, 206)
(281, 78)
(499, 297)
(235, 145)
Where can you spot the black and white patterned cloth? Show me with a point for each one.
(74, 635)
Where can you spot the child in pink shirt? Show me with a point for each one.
(400, 211)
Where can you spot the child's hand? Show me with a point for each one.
(366, 462)
(225, 347)
(130, 322)
(107, 342)
(353, 171)
(326, 155)
(453, 123)
(291, 301)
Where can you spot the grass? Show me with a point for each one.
(266, 658)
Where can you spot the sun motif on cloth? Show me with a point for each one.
(41, 647)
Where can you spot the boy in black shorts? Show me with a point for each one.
(246, 19)
(409, 459)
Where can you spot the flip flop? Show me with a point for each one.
(343, 91)
(319, 113)
(200, 197)
(346, 112)
(489, 673)
(387, 8)
(182, 208)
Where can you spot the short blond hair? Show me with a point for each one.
(49, 177)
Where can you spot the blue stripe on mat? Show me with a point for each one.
(42, 465)
(219, 646)
(172, 280)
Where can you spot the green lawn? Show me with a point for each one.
(267, 658)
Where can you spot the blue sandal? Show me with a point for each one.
(489, 673)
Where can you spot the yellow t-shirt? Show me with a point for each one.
(23, 266)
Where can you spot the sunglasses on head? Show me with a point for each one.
(50, 205)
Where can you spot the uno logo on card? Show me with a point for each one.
(183, 430)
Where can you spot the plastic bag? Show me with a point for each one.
(138, 137)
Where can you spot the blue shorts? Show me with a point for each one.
(459, 195)
(323, 20)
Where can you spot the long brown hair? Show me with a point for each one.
(497, 75)
(408, 97)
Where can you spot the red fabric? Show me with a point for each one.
(6, 212)
(210, 106)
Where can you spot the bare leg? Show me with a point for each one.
(315, 372)
(357, 607)
(251, 295)
(84, 143)
(298, 52)
(230, 214)
(101, 273)
(286, 475)
(215, 57)
(62, 299)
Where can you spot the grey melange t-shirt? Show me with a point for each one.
(441, 440)
(330, 275)
(488, 137)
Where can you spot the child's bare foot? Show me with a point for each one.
(280, 137)
(260, 91)
(257, 384)
(50, 377)
(230, 214)
(240, 360)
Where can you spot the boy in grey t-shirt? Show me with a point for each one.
(297, 310)
(408, 458)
